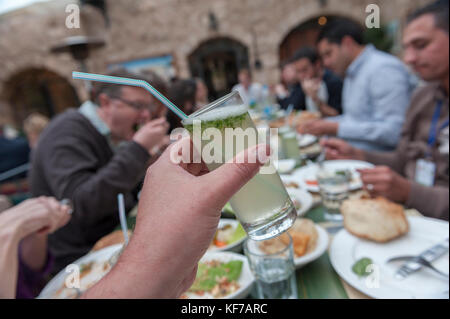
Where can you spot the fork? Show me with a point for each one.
(418, 262)
(321, 158)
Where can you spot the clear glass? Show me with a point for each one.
(275, 271)
(289, 145)
(334, 189)
(262, 206)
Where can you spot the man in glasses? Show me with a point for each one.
(94, 153)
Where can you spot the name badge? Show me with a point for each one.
(425, 171)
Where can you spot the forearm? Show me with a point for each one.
(8, 262)
(430, 201)
(327, 110)
(386, 134)
(153, 275)
(391, 159)
(33, 251)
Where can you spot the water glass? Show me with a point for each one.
(274, 270)
(334, 189)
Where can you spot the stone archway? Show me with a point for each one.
(304, 34)
(217, 62)
(38, 90)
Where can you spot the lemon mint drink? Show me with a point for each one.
(262, 205)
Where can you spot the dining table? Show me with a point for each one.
(317, 279)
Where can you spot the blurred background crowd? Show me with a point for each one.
(206, 48)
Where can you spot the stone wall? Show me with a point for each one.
(146, 28)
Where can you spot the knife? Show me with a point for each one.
(429, 255)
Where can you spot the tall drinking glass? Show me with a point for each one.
(262, 205)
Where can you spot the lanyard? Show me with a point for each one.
(434, 130)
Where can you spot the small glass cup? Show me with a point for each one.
(334, 189)
(273, 268)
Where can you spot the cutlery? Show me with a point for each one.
(321, 158)
(334, 229)
(123, 224)
(416, 263)
(288, 113)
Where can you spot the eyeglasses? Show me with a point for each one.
(137, 105)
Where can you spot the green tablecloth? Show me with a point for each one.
(318, 280)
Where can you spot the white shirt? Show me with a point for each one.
(253, 94)
(322, 94)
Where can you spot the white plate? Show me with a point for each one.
(237, 245)
(284, 166)
(306, 139)
(245, 280)
(346, 249)
(309, 172)
(321, 247)
(53, 289)
(303, 197)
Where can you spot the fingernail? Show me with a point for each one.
(263, 157)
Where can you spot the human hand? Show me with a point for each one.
(311, 88)
(281, 91)
(339, 149)
(151, 133)
(178, 215)
(161, 110)
(161, 146)
(41, 216)
(383, 181)
(318, 127)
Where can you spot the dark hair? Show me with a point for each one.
(181, 92)
(337, 29)
(113, 90)
(306, 52)
(438, 9)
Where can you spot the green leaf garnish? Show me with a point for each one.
(231, 122)
(360, 266)
(238, 234)
(208, 276)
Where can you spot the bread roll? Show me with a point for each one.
(376, 219)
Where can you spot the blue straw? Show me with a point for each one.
(122, 217)
(132, 82)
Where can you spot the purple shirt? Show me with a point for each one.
(30, 282)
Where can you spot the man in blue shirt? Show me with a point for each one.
(376, 91)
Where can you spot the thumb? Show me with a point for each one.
(226, 180)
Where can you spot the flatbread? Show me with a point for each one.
(376, 219)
